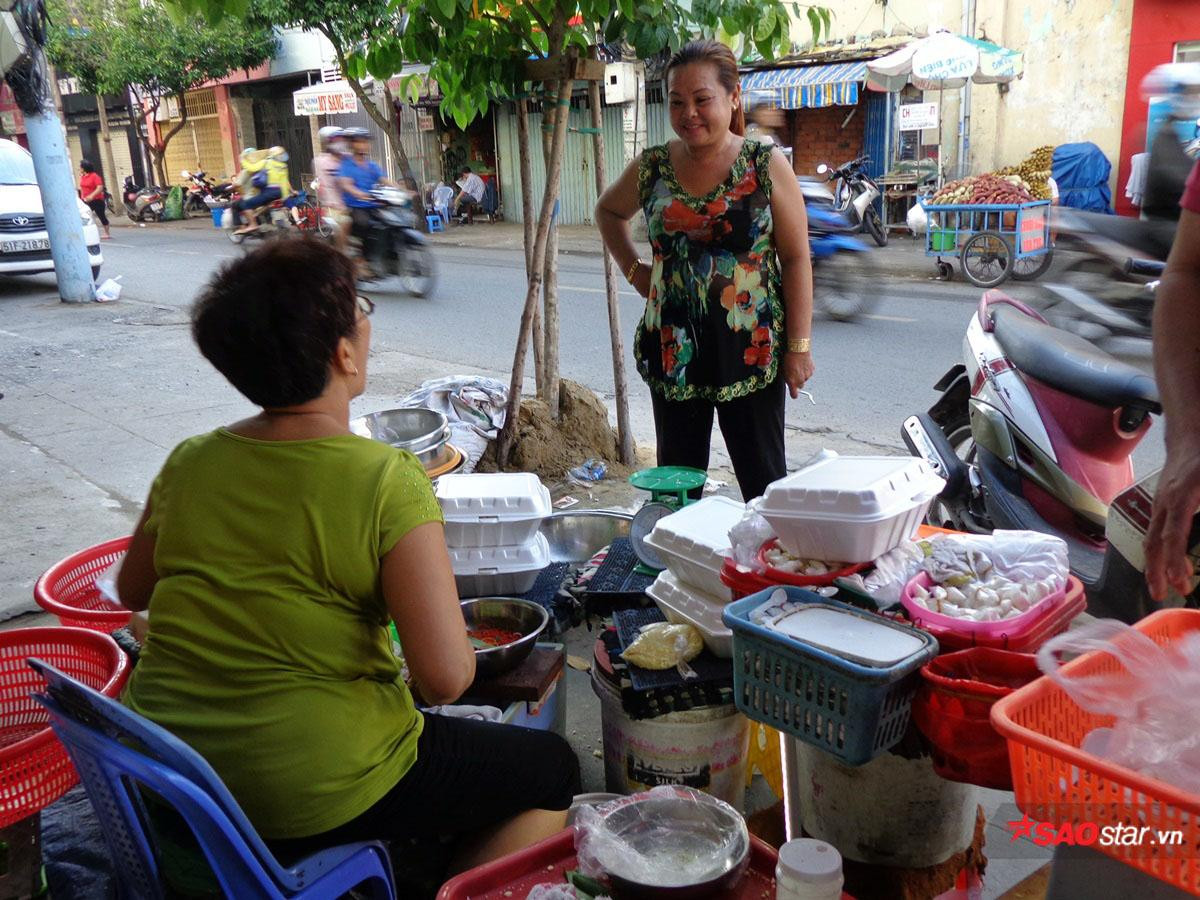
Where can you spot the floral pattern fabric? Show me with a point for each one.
(714, 318)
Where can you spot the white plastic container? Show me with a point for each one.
(695, 541)
(494, 509)
(850, 508)
(685, 605)
(499, 571)
(808, 870)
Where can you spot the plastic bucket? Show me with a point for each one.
(217, 212)
(941, 240)
(703, 748)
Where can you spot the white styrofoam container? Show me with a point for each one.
(493, 509)
(850, 508)
(682, 604)
(499, 571)
(695, 541)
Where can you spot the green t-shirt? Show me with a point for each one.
(268, 651)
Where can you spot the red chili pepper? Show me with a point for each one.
(494, 637)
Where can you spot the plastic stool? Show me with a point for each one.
(434, 223)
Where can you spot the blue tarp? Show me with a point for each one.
(1081, 172)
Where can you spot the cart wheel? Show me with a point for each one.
(1030, 267)
(986, 259)
(945, 270)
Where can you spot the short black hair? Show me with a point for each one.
(86, 165)
(466, 170)
(270, 322)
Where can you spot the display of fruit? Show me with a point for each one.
(1034, 172)
(981, 189)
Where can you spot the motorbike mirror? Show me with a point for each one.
(822, 169)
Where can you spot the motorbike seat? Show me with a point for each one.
(1151, 237)
(1068, 363)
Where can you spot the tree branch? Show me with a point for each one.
(516, 29)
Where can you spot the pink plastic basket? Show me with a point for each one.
(1014, 633)
(68, 589)
(34, 767)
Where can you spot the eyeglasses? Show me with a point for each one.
(365, 304)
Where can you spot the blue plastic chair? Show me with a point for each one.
(98, 733)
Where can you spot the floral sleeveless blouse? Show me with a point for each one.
(713, 324)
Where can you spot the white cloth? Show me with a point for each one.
(472, 186)
(1135, 188)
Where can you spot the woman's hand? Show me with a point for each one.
(641, 280)
(797, 369)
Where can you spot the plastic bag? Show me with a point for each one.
(892, 571)
(173, 208)
(661, 645)
(106, 582)
(747, 537)
(110, 290)
(1152, 696)
(1023, 557)
(552, 891)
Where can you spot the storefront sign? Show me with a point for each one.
(425, 121)
(324, 100)
(918, 116)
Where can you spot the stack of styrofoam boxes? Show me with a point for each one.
(493, 523)
(694, 543)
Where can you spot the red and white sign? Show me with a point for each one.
(325, 99)
(917, 116)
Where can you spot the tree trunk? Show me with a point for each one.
(539, 371)
(621, 388)
(551, 116)
(507, 433)
(110, 168)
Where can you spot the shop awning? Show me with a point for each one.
(836, 84)
(327, 98)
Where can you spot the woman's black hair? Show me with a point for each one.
(721, 58)
(86, 166)
(270, 322)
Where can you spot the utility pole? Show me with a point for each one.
(29, 76)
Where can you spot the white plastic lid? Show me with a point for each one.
(866, 640)
(852, 487)
(495, 496)
(501, 560)
(695, 604)
(811, 862)
(699, 532)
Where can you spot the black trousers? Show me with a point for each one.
(752, 427)
(98, 210)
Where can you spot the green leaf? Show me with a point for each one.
(447, 8)
(814, 24)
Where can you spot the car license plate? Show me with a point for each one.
(155, 206)
(24, 246)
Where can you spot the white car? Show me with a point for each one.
(24, 244)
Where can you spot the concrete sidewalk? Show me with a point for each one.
(903, 257)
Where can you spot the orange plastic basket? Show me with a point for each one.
(1054, 781)
(68, 589)
(34, 767)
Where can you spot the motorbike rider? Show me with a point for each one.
(358, 176)
(334, 149)
(1177, 370)
(262, 180)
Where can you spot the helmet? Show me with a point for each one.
(1179, 83)
(356, 134)
(278, 153)
(329, 134)
(247, 153)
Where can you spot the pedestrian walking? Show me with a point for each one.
(91, 189)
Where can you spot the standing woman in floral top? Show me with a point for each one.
(729, 291)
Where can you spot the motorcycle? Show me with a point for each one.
(1034, 430)
(855, 193)
(276, 219)
(142, 202)
(201, 195)
(844, 279)
(395, 245)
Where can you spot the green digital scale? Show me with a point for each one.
(668, 487)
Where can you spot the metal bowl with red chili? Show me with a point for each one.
(503, 631)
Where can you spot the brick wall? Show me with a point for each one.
(818, 136)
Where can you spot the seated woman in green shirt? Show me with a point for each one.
(272, 553)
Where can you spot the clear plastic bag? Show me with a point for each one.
(892, 571)
(1152, 697)
(747, 537)
(1023, 557)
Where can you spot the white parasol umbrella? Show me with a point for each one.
(944, 60)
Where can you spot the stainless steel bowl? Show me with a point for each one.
(512, 614)
(697, 846)
(423, 432)
(579, 535)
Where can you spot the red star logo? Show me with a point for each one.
(1021, 828)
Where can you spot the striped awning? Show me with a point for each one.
(836, 84)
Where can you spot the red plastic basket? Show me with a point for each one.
(515, 875)
(34, 767)
(778, 576)
(952, 710)
(1054, 781)
(68, 589)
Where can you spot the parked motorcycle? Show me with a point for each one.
(208, 193)
(396, 245)
(845, 281)
(1035, 430)
(142, 203)
(854, 194)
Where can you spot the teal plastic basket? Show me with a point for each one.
(851, 711)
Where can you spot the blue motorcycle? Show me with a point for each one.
(845, 278)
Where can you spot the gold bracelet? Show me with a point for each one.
(633, 270)
(799, 345)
